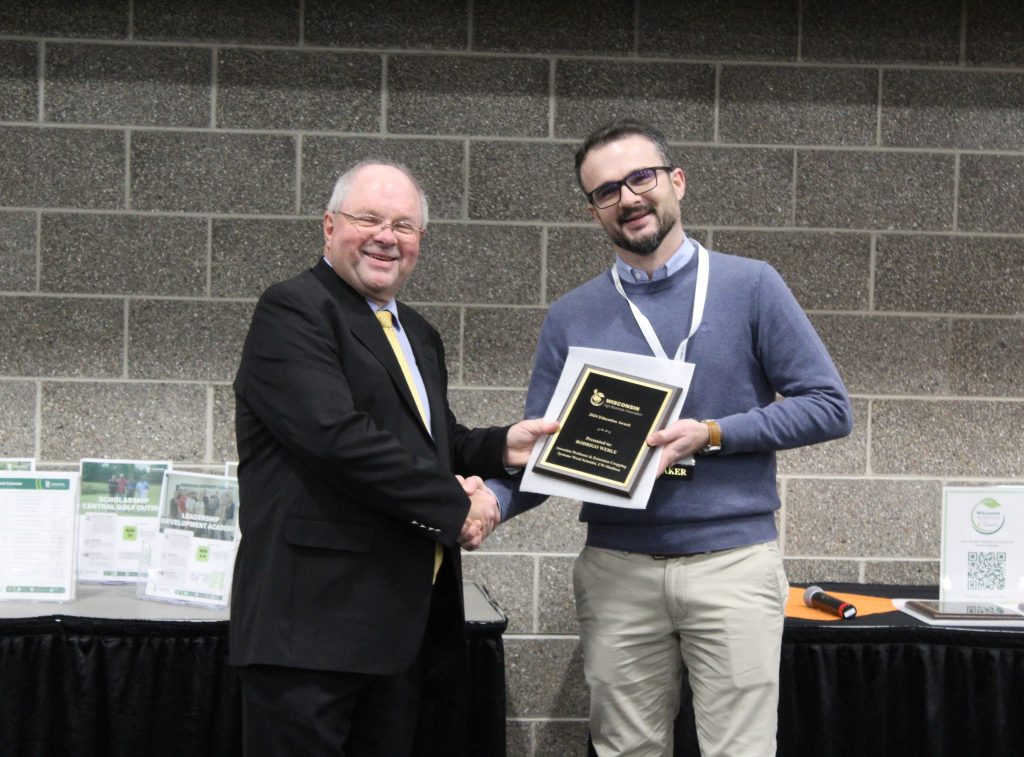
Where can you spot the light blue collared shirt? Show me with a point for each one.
(679, 259)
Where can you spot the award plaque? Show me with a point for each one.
(604, 425)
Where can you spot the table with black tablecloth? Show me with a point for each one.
(889, 684)
(109, 675)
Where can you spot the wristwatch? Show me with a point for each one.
(714, 445)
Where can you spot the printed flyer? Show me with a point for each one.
(37, 535)
(17, 463)
(119, 508)
(193, 554)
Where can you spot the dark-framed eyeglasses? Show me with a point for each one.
(640, 181)
(376, 223)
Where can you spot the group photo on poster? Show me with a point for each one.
(207, 507)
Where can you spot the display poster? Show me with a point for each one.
(37, 535)
(119, 511)
(982, 544)
(193, 554)
(17, 463)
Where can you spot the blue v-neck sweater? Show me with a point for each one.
(761, 372)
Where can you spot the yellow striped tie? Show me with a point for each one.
(384, 316)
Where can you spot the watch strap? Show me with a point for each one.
(714, 444)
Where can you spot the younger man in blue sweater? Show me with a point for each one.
(695, 580)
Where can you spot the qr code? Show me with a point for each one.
(986, 571)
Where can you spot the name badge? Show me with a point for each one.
(679, 472)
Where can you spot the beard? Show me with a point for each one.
(647, 244)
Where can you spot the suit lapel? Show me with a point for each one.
(364, 326)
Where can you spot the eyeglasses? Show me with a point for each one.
(640, 181)
(401, 228)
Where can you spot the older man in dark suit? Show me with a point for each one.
(357, 485)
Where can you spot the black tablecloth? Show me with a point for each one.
(888, 684)
(124, 687)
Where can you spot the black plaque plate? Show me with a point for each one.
(602, 441)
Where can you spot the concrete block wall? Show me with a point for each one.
(161, 163)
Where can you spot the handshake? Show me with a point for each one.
(483, 516)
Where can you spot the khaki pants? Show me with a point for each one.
(642, 621)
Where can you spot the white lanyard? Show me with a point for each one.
(699, 295)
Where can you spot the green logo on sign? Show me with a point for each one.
(987, 516)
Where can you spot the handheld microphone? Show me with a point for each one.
(816, 597)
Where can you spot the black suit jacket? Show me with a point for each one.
(343, 493)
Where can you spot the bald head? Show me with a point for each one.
(344, 185)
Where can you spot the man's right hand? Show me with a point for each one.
(521, 437)
(483, 516)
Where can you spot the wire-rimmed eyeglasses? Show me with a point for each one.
(366, 221)
(640, 181)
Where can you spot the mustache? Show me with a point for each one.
(631, 213)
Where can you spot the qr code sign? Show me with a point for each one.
(986, 571)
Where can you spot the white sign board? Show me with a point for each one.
(982, 544)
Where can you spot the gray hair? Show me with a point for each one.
(344, 184)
